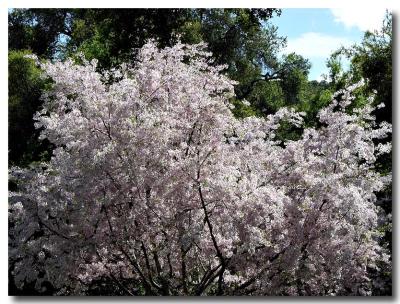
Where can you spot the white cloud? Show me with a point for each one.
(366, 18)
(316, 45)
(320, 78)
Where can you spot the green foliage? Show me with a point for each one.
(294, 78)
(243, 40)
(287, 132)
(113, 35)
(191, 31)
(337, 76)
(38, 30)
(373, 61)
(24, 88)
(319, 96)
(242, 110)
(267, 97)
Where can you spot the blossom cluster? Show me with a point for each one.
(156, 187)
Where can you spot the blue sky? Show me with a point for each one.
(316, 33)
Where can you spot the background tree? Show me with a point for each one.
(39, 30)
(25, 87)
(372, 60)
(113, 36)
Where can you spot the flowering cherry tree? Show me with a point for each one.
(155, 187)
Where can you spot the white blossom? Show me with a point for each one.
(154, 184)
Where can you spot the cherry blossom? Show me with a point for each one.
(156, 187)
